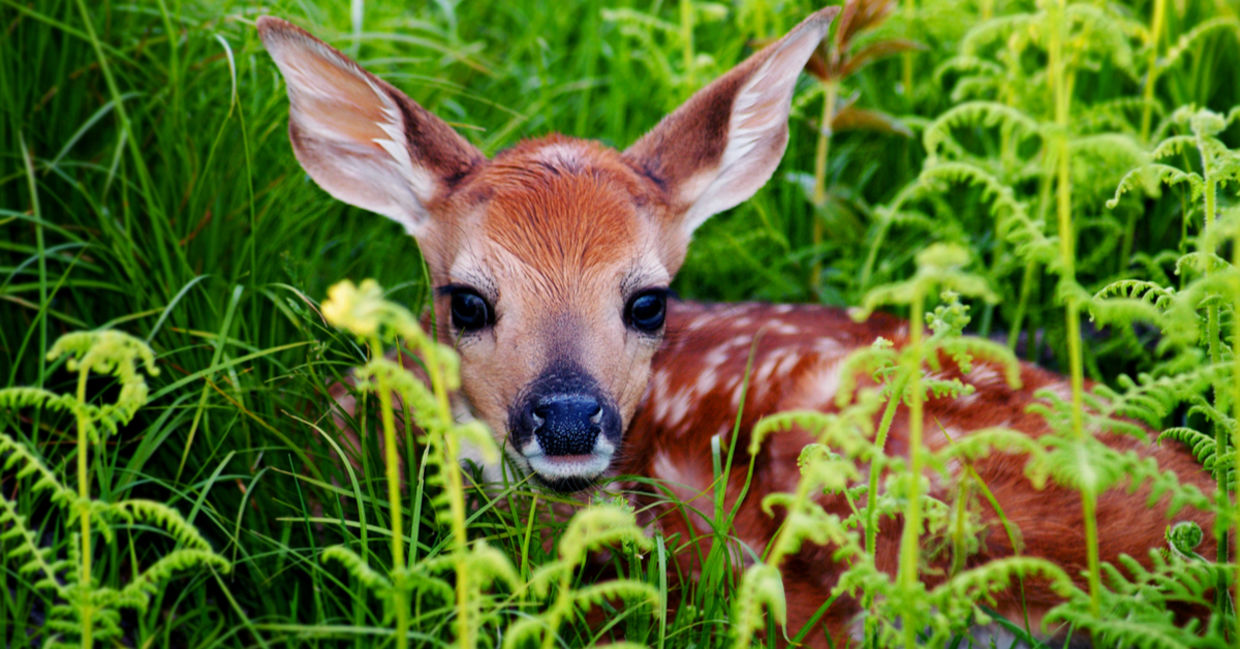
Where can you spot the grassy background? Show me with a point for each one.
(147, 184)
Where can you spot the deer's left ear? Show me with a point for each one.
(724, 143)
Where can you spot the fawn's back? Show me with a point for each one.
(553, 261)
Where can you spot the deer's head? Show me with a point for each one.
(551, 260)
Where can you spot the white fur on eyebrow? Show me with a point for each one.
(647, 272)
(468, 268)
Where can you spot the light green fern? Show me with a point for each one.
(84, 611)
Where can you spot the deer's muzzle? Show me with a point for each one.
(566, 428)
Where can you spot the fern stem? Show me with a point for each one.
(1026, 288)
(910, 8)
(1151, 74)
(391, 460)
(83, 449)
(909, 541)
(830, 91)
(455, 485)
(1223, 439)
(1235, 403)
(1061, 88)
(558, 610)
(871, 505)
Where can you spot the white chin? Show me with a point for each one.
(582, 467)
(553, 468)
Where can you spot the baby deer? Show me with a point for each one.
(554, 259)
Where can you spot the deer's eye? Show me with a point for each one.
(647, 310)
(470, 311)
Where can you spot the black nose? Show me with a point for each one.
(565, 424)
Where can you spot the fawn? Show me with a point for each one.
(554, 258)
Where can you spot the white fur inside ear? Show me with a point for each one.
(758, 128)
(350, 132)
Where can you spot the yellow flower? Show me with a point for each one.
(353, 307)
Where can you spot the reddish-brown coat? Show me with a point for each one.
(665, 445)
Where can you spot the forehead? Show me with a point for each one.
(560, 205)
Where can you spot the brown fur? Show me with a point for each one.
(673, 449)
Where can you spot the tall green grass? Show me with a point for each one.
(147, 185)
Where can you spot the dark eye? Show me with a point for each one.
(647, 310)
(470, 311)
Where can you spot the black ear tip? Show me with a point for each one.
(272, 29)
(826, 14)
(267, 24)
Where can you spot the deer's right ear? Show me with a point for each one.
(359, 138)
(723, 144)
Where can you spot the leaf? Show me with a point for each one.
(850, 118)
(874, 52)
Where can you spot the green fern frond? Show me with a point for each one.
(1153, 631)
(939, 267)
(986, 114)
(996, 31)
(492, 565)
(1137, 603)
(983, 443)
(1012, 218)
(1118, 114)
(1151, 398)
(597, 526)
(1174, 146)
(1162, 174)
(28, 397)
(1187, 42)
(761, 587)
(1162, 484)
(420, 578)
(160, 515)
(981, 72)
(816, 424)
(1151, 293)
(979, 583)
(825, 471)
(1201, 262)
(1215, 416)
(524, 632)
(633, 17)
(21, 545)
(1202, 445)
(381, 371)
(356, 566)
(16, 453)
(1102, 31)
(138, 592)
(1114, 150)
(968, 350)
(622, 589)
(1124, 311)
(114, 353)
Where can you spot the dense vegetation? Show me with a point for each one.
(1073, 166)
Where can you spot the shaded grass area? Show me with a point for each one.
(146, 184)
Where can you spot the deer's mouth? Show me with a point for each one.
(569, 472)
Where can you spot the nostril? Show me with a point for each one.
(566, 424)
